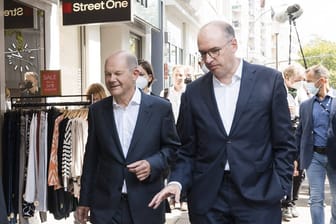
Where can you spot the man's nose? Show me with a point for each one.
(207, 58)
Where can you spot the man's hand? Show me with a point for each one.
(82, 215)
(140, 168)
(170, 190)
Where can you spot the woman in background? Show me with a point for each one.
(146, 76)
(97, 91)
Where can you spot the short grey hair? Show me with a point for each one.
(131, 59)
(319, 71)
(226, 27)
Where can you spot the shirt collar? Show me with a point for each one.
(136, 99)
(236, 76)
(331, 93)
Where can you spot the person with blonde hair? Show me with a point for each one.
(174, 92)
(97, 91)
(30, 86)
(294, 76)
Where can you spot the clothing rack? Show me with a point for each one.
(42, 101)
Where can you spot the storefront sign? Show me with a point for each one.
(96, 11)
(51, 82)
(18, 16)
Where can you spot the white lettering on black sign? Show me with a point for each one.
(109, 4)
(14, 12)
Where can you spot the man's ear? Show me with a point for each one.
(136, 73)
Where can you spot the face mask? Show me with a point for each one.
(187, 80)
(204, 69)
(297, 85)
(141, 82)
(311, 88)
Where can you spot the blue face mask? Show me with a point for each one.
(311, 88)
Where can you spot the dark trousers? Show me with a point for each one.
(231, 208)
(296, 184)
(123, 215)
(297, 181)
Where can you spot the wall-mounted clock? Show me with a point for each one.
(20, 58)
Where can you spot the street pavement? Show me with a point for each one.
(179, 217)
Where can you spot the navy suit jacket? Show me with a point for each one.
(155, 139)
(305, 134)
(260, 147)
(3, 215)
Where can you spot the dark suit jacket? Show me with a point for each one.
(155, 139)
(3, 215)
(305, 136)
(259, 148)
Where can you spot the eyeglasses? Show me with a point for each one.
(213, 52)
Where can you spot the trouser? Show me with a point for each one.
(294, 195)
(231, 207)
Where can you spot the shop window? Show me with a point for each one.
(173, 54)
(24, 45)
(135, 45)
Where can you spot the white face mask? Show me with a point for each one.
(311, 88)
(204, 69)
(141, 82)
(298, 85)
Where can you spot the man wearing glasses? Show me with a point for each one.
(237, 147)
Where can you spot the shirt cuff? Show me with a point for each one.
(177, 183)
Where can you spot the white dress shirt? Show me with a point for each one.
(125, 119)
(175, 99)
(226, 97)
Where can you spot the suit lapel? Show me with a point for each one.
(109, 118)
(333, 102)
(309, 110)
(142, 121)
(210, 100)
(246, 85)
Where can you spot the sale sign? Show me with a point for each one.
(51, 82)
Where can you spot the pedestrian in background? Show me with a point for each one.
(96, 91)
(131, 142)
(174, 92)
(236, 159)
(30, 86)
(294, 81)
(316, 141)
(189, 74)
(146, 76)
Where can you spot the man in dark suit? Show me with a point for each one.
(237, 146)
(3, 216)
(316, 141)
(131, 140)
